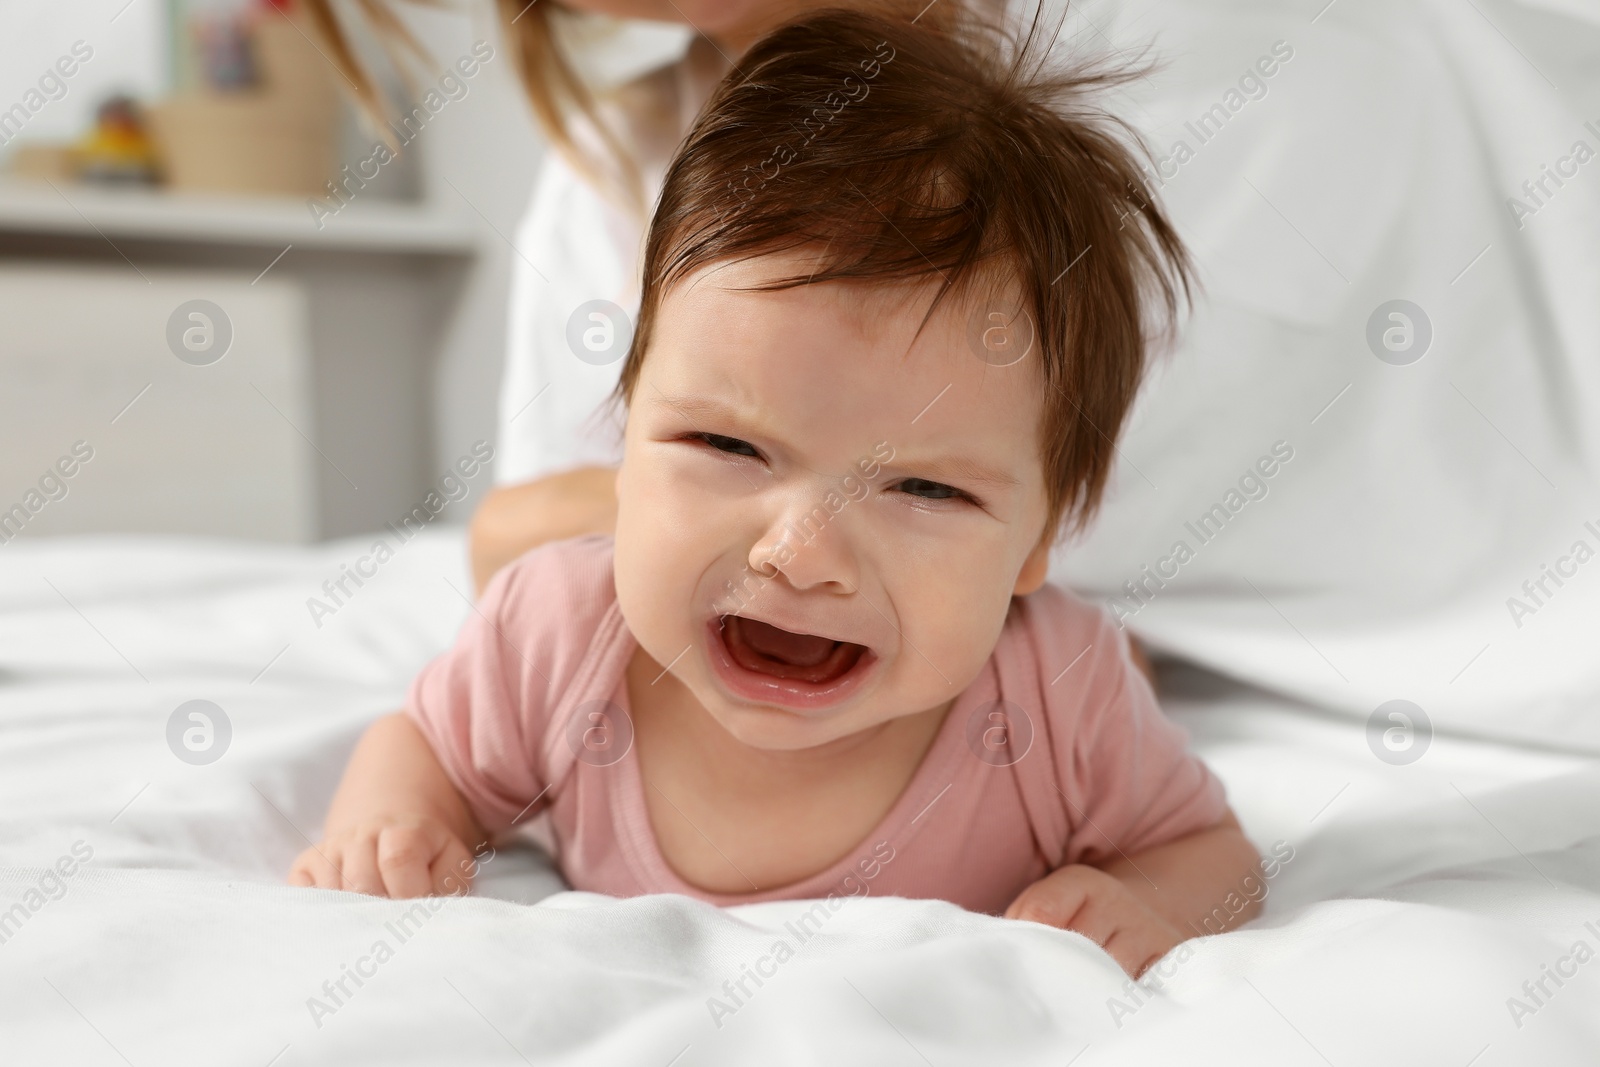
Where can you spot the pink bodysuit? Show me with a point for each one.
(1056, 753)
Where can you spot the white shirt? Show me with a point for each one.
(577, 246)
(552, 404)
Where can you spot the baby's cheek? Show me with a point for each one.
(646, 569)
(949, 635)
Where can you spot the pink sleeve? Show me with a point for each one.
(481, 707)
(527, 645)
(1130, 781)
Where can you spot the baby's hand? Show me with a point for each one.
(1097, 905)
(395, 856)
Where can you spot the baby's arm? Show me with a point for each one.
(397, 827)
(1139, 907)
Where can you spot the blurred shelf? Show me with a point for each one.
(372, 226)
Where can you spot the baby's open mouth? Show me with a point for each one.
(766, 649)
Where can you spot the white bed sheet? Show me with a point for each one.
(1418, 900)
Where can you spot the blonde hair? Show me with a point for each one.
(549, 79)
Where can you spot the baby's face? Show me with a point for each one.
(823, 513)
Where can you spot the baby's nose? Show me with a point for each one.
(807, 544)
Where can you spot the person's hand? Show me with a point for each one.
(1097, 905)
(389, 856)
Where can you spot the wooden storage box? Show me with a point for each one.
(278, 138)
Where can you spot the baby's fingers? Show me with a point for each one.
(1135, 947)
(1053, 901)
(300, 872)
(317, 867)
(1096, 921)
(453, 869)
(406, 856)
(359, 864)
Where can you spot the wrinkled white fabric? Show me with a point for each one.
(1418, 898)
(1381, 559)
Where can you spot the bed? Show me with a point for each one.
(143, 917)
(175, 713)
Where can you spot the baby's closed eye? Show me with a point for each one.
(723, 443)
(922, 487)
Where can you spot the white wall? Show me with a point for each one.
(129, 54)
(475, 159)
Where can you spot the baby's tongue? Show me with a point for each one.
(801, 650)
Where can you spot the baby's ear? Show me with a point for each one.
(1034, 569)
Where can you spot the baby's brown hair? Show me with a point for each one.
(906, 149)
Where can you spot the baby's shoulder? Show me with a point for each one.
(550, 602)
(1052, 613)
(577, 565)
(1071, 649)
